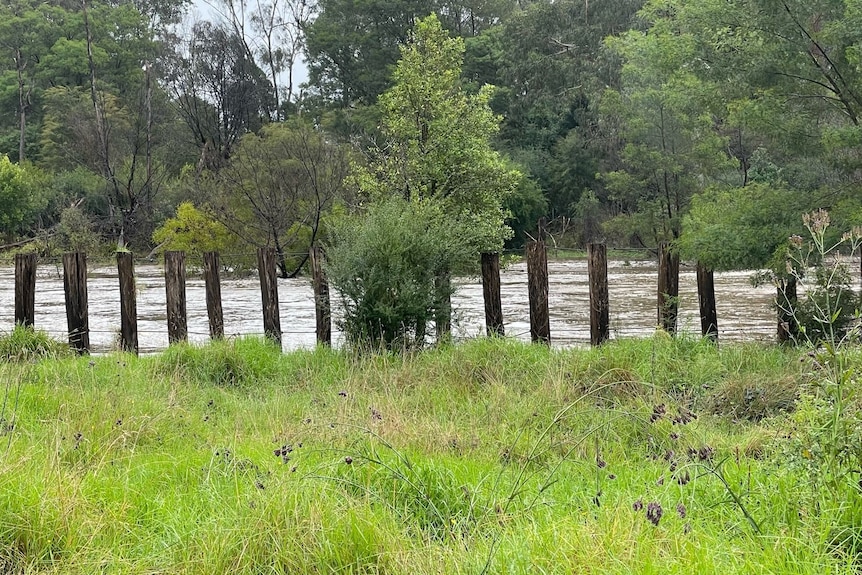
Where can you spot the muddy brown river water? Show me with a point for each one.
(744, 312)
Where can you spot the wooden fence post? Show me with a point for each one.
(212, 284)
(75, 286)
(322, 309)
(25, 289)
(597, 264)
(537, 286)
(128, 303)
(668, 288)
(785, 301)
(269, 293)
(706, 299)
(175, 291)
(443, 315)
(491, 294)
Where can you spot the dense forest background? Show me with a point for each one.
(713, 124)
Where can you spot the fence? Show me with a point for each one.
(76, 302)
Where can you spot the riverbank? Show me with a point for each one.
(643, 456)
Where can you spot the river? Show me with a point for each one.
(744, 312)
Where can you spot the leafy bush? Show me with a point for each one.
(384, 264)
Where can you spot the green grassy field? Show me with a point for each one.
(487, 457)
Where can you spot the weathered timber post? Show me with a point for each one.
(537, 286)
(322, 308)
(668, 288)
(597, 265)
(269, 293)
(212, 283)
(128, 303)
(785, 301)
(25, 289)
(491, 294)
(706, 299)
(443, 314)
(175, 291)
(75, 286)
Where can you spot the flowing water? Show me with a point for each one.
(744, 312)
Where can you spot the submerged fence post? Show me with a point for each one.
(785, 301)
(668, 288)
(75, 286)
(175, 291)
(128, 303)
(25, 289)
(537, 286)
(706, 300)
(212, 283)
(269, 293)
(597, 265)
(322, 308)
(491, 294)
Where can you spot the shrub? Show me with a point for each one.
(384, 264)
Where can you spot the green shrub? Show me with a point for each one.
(384, 264)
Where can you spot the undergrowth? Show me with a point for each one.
(491, 456)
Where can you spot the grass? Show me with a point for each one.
(487, 457)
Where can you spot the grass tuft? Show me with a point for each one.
(26, 344)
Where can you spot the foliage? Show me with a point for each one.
(22, 196)
(76, 234)
(384, 264)
(278, 188)
(192, 231)
(438, 139)
(829, 309)
(741, 228)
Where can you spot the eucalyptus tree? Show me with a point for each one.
(219, 90)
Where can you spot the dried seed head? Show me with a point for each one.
(654, 512)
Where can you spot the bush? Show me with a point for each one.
(384, 264)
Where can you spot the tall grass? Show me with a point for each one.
(492, 456)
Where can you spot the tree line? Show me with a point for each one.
(712, 124)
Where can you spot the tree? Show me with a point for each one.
(220, 91)
(437, 177)
(277, 188)
(784, 85)
(438, 139)
(665, 116)
(353, 45)
(24, 36)
(22, 197)
(552, 68)
(272, 32)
